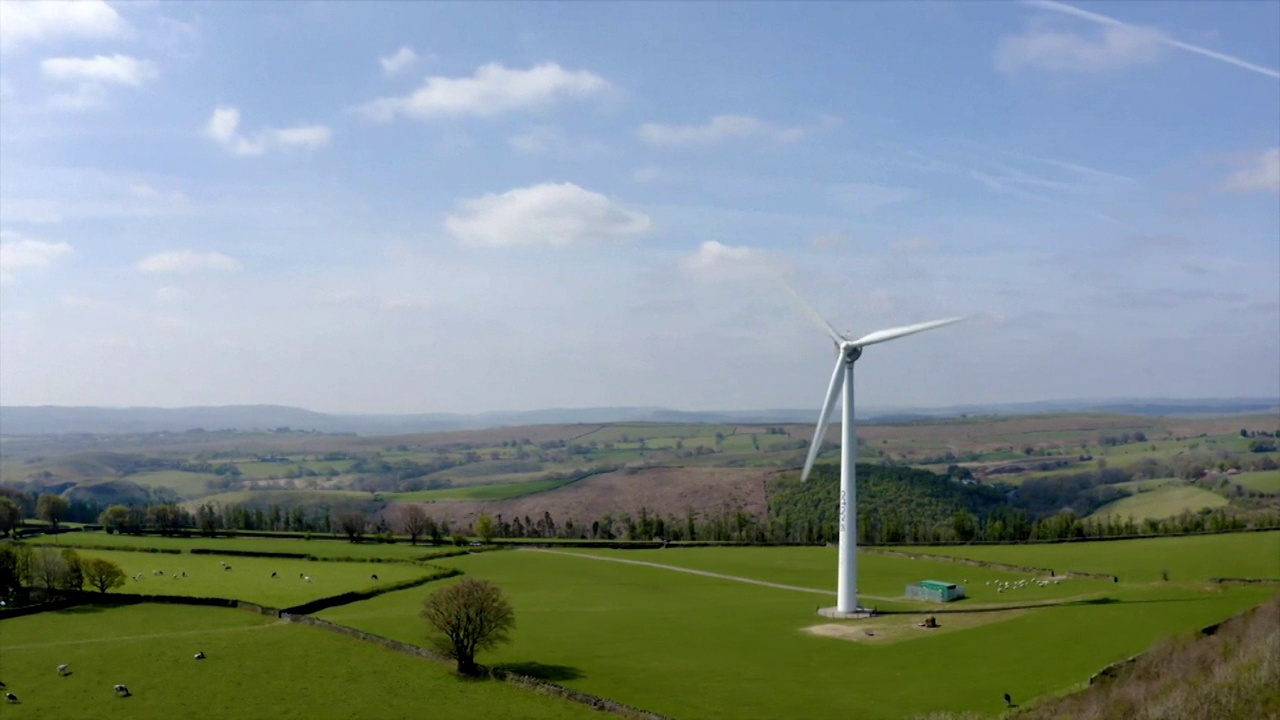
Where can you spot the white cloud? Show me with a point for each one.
(93, 76)
(546, 214)
(106, 69)
(493, 90)
(866, 198)
(714, 262)
(1259, 174)
(224, 127)
(1117, 47)
(720, 127)
(399, 60)
(187, 261)
(30, 22)
(21, 253)
(1111, 22)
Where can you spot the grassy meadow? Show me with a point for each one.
(695, 646)
(1161, 502)
(250, 578)
(256, 667)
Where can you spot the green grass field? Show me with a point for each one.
(186, 484)
(1267, 481)
(256, 667)
(1188, 559)
(693, 646)
(495, 491)
(321, 548)
(1161, 502)
(881, 576)
(250, 578)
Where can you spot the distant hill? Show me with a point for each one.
(61, 420)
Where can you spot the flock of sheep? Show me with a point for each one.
(1002, 585)
(64, 670)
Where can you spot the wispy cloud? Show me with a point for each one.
(1115, 48)
(224, 127)
(717, 129)
(93, 76)
(398, 61)
(18, 253)
(185, 261)
(492, 90)
(107, 69)
(33, 22)
(1111, 22)
(546, 214)
(1260, 173)
(715, 262)
(544, 140)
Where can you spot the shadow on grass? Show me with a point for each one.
(550, 673)
(85, 609)
(1037, 606)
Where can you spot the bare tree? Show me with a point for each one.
(49, 568)
(465, 618)
(413, 522)
(352, 522)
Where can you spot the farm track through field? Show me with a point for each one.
(706, 573)
(182, 633)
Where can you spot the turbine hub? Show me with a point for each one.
(850, 353)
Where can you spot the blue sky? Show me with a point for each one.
(417, 207)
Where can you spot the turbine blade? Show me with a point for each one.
(880, 336)
(824, 418)
(814, 315)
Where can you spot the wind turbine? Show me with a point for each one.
(849, 350)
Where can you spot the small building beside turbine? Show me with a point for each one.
(935, 591)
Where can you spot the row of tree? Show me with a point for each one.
(51, 571)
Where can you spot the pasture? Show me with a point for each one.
(320, 548)
(1187, 559)
(694, 646)
(250, 578)
(256, 667)
(1161, 502)
(1267, 481)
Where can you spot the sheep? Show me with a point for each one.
(222, 562)
(11, 697)
(227, 567)
(1008, 700)
(122, 691)
(200, 656)
(64, 669)
(307, 578)
(301, 576)
(139, 577)
(2, 685)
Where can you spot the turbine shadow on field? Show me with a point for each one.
(1034, 606)
(542, 671)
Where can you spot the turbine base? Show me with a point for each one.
(836, 613)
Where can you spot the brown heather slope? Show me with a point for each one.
(663, 491)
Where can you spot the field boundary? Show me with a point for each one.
(347, 598)
(992, 565)
(542, 687)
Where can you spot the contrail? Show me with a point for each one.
(1112, 22)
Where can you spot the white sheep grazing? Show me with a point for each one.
(307, 578)
(222, 562)
(11, 697)
(64, 669)
(199, 656)
(122, 691)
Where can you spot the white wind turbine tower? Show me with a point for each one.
(849, 350)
